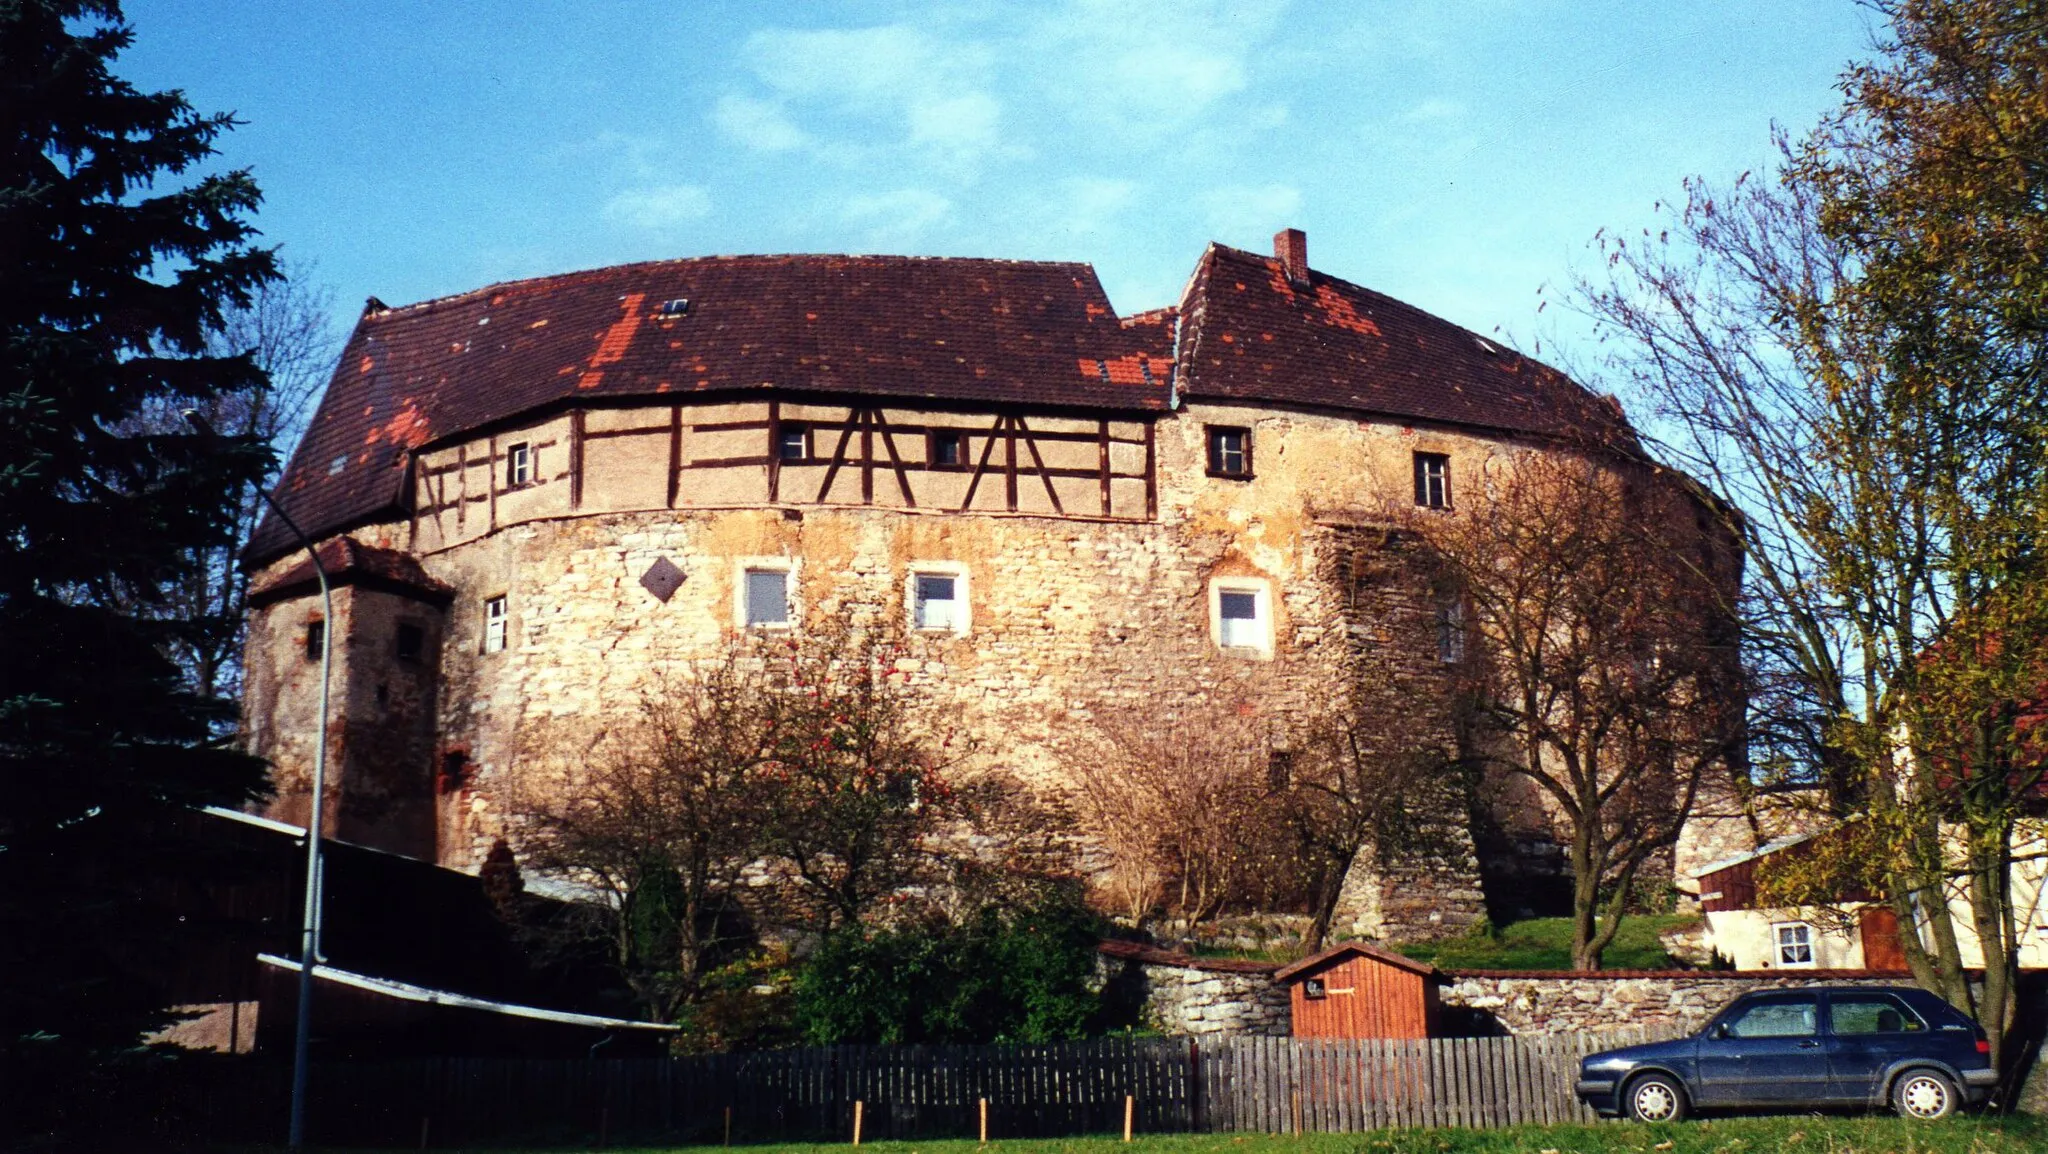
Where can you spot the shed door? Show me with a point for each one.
(1880, 929)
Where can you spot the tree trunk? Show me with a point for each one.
(1585, 900)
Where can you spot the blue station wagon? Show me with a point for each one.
(1795, 1049)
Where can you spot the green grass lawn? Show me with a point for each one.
(1546, 944)
(1799, 1134)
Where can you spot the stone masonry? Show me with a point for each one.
(1178, 994)
(1561, 1003)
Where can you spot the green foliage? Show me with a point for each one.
(115, 273)
(1005, 974)
(1546, 944)
(748, 1004)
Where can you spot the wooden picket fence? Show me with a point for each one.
(1169, 1085)
(1285, 1085)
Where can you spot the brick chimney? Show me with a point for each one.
(1290, 245)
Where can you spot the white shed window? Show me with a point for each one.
(767, 597)
(1241, 616)
(1240, 612)
(1795, 943)
(937, 600)
(495, 617)
(935, 597)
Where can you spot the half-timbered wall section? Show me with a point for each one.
(748, 453)
(1078, 519)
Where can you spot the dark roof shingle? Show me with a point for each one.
(350, 562)
(1251, 335)
(950, 330)
(959, 331)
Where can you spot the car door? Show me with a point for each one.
(1766, 1051)
(1867, 1032)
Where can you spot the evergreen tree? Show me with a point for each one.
(118, 256)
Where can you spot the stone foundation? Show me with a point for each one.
(1175, 993)
(1497, 1002)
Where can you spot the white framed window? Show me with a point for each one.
(1433, 480)
(793, 442)
(1241, 615)
(1230, 451)
(764, 591)
(1794, 943)
(935, 597)
(496, 617)
(518, 465)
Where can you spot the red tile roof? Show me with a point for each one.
(350, 562)
(950, 330)
(1251, 335)
(954, 331)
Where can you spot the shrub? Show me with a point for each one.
(1003, 974)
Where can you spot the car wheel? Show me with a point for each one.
(1924, 1094)
(1655, 1098)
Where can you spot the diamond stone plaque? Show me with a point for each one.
(662, 578)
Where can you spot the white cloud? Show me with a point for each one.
(758, 124)
(968, 123)
(659, 207)
(1246, 210)
(1435, 108)
(1149, 67)
(846, 92)
(899, 219)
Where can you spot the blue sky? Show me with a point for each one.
(1456, 155)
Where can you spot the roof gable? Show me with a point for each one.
(1254, 335)
(1345, 951)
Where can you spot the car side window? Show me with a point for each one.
(1789, 1018)
(1871, 1014)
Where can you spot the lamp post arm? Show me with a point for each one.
(309, 939)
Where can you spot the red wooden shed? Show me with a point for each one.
(1354, 990)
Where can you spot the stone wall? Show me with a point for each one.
(1077, 621)
(1495, 1002)
(1175, 993)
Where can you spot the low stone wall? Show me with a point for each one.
(1505, 1002)
(1177, 993)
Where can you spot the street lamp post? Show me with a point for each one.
(309, 939)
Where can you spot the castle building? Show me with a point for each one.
(530, 495)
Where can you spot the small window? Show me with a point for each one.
(518, 465)
(1239, 613)
(948, 449)
(1280, 769)
(1796, 1017)
(412, 640)
(1871, 1014)
(316, 639)
(454, 773)
(793, 442)
(494, 624)
(1433, 480)
(1795, 943)
(1230, 452)
(1314, 989)
(938, 603)
(1450, 633)
(767, 597)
